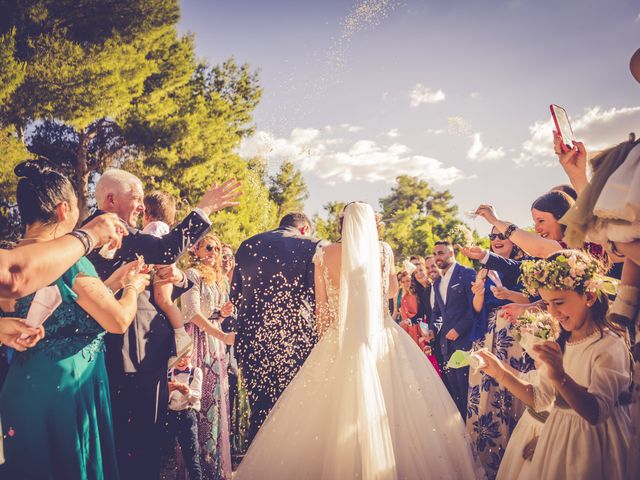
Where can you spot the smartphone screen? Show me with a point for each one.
(563, 126)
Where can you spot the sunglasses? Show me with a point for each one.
(227, 257)
(497, 236)
(211, 248)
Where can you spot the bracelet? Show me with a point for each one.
(129, 286)
(510, 229)
(85, 239)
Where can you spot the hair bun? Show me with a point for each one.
(33, 168)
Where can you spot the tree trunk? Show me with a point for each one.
(82, 174)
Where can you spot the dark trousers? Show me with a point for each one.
(457, 383)
(139, 404)
(261, 404)
(183, 424)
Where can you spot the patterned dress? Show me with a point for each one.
(492, 411)
(55, 404)
(209, 354)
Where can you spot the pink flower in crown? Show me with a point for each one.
(568, 282)
(572, 261)
(593, 284)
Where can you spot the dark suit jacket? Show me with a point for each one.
(458, 312)
(273, 290)
(149, 340)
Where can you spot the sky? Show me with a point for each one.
(357, 92)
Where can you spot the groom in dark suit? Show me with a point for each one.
(273, 290)
(454, 303)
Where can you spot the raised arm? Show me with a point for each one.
(531, 243)
(25, 269)
(98, 301)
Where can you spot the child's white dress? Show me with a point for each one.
(530, 425)
(569, 446)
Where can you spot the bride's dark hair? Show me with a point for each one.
(379, 222)
(41, 188)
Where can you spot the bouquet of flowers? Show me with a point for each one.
(532, 328)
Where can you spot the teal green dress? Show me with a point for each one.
(54, 404)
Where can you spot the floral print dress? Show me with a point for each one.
(492, 411)
(210, 355)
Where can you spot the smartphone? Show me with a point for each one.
(563, 127)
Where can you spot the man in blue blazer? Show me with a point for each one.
(454, 304)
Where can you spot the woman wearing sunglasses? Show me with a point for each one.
(492, 410)
(204, 306)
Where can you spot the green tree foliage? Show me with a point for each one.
(101, 83)
(416, 216)
(12, 71)
(328, 228)
(288, 189)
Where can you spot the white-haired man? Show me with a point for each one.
(137, 360)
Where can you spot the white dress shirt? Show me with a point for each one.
(178, 401)
(156, 228)
(444, 285)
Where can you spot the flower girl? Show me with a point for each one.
(585, 376)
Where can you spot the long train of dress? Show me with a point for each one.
(373, 409)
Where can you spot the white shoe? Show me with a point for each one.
(183, 345)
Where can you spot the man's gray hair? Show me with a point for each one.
(114, 181)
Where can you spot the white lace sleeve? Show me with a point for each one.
(318, 257)
(190, 300)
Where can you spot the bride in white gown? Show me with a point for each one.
(367, 403)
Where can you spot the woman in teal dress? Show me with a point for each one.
(54, 404)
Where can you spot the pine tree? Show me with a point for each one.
(416, 216)
(288, 189)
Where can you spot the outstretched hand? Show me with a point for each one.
(106, 229)
(573, 160)
(488, 213)
(11, 329)
(220, 197)
(474, 252)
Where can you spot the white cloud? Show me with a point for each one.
(475, 95)
(479, 153)
(435, 131)
(351, 128)
(421, 94)
(363, 160)
(596, 127)
(393, 133)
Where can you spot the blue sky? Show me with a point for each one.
(357, 92)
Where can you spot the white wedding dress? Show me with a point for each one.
(367, 403)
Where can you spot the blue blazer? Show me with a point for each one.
(458, 312)
(274, 292)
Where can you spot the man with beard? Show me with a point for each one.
(453, 302)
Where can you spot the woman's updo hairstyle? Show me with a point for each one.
(41, 188)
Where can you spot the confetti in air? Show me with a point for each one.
(366, 13)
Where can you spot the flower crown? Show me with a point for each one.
(569, 270)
